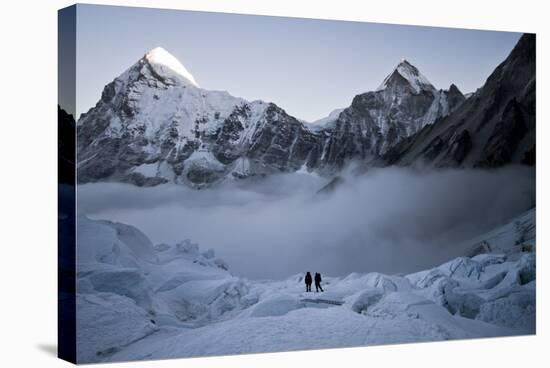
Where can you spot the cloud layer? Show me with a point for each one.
(390, 220)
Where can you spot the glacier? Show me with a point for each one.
(139, 300)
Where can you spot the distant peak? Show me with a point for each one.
(411, 74)
(454, 88)
(166, 63)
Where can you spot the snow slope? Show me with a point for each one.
(139, 301)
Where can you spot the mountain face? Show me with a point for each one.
(154, 124)
(403, 104)
(493, 127)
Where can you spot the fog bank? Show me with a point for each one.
(389, 220)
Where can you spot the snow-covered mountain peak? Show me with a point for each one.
(411, 74)
(166, 65)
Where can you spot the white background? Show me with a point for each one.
(28, 144)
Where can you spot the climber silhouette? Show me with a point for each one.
(318, 282)
(308, 280)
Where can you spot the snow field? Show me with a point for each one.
(139, 301)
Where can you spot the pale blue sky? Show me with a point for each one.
(308, 67)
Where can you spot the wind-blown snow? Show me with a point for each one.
(165, 63)
(139, 301)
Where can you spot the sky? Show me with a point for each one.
(308, 67)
